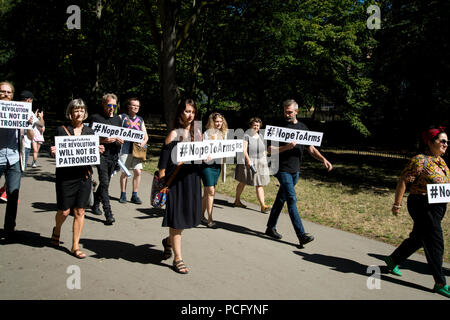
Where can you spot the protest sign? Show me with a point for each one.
(287, 135)
(15, 114)
(73, 151)
(214, 149)
(438, 193)
(109, 131)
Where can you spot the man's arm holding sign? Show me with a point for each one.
(275, 150)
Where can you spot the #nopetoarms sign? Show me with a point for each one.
(287, 135)
(109, 131)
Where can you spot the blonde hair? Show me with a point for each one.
(210, 125)
(108, 96)
(76, 104)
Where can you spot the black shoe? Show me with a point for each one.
(136, 200)
(271, 232)
(96, 209)
(306, 238)
(110, 220)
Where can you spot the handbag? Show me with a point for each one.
(158, 196)
(139, 152)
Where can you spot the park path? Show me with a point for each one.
(234, 262)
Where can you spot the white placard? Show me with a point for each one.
(438, 193)
(288, 135)
(109, 131)
(214, 149)
(15, 114)
(74, 151)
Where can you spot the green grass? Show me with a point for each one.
(356, 196)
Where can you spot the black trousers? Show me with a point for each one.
(426, 233)
(105, 170)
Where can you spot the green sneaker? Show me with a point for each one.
(393, 268)
(445, 291)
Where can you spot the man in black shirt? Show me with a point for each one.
(108, 159)
(290, 156)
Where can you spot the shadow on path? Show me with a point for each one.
(113, 249)
(416, 266)
(350, 266)
(33, 239)
(247, 231)
(151, 213)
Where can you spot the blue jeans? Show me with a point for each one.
(12, 177)
(286, 193)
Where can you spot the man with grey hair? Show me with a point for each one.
(108, 160)
(290, 157)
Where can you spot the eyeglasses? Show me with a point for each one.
(443, 141)
(112, 105)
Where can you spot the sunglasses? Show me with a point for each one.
(112, 105)
(443, 141)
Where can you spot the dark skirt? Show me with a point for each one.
(184, 200)
(73, 193)
(210, 175)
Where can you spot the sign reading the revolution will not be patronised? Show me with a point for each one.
(15, 114)
(109, 131)
(438, 193)
(288, 135)
(213, 149)
(74, 151)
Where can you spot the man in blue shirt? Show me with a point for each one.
(290, 155)
(12, 163)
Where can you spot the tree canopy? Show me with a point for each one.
(243, 57)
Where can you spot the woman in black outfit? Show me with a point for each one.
(73, 184)
(184, 202)
(423, 169)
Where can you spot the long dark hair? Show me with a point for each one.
(179, 123)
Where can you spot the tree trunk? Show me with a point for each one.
(96, 88)
(167, 60)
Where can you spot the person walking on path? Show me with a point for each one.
(423, 169)
(38, 129)
(108, 160)
(73, 184)
(132, 121)
(290, 156)
(255, 171)
(216, 129)
(12, 163)
(184, 202)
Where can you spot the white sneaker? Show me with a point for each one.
(34, 164)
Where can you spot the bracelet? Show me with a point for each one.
(396, 206)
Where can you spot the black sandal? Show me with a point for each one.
(167, 249)
(179, 265)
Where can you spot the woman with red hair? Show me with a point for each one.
(423, 169)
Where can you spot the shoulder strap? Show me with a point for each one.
(67, 131)
(172, 176)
